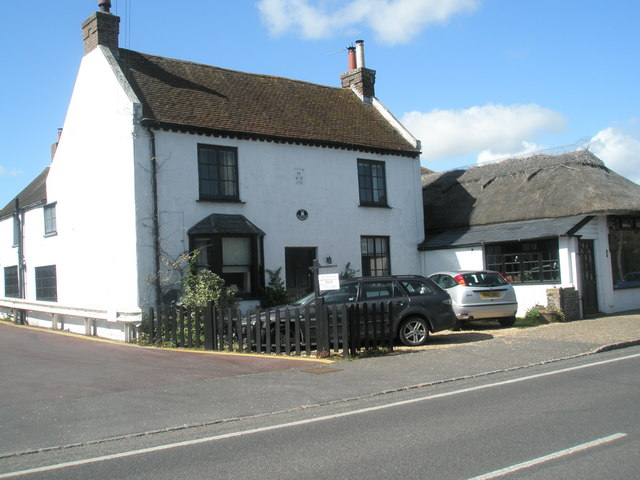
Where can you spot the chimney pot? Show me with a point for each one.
(351, 52)
(105, 6)
(359, 53)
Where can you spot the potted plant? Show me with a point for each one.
(551, 314)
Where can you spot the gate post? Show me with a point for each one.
(208, 326)
(322, 323)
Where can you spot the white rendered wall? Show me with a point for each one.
(277, 180)
(471, 258)
(91, 179)
(38, 250)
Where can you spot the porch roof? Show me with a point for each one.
(505, 232)
(220, 223)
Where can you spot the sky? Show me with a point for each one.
(474, 80)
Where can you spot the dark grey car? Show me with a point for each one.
(420, 306)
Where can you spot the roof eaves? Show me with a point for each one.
(412, 153)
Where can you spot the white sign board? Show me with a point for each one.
(329, 281)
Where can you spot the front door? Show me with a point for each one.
(589, 288)
(298, 276)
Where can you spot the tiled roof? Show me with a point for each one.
(32, 195)
(225, 224)
(204, 99)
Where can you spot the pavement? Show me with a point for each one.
(148, 409)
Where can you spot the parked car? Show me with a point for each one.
(630, 280)
(479, 295)
(421, 306)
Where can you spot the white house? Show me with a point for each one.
(160, 156)
(545, 222)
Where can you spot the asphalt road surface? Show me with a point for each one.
(42, 366)
(578, 418)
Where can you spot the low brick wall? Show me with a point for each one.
(567, 300)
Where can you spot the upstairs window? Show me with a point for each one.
(50, 220)
(375, 256)
(46, 283)
(372, 182)
(218, 173)
(16, 230)
(11, 287)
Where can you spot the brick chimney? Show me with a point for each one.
(361, 78)
(101, 28)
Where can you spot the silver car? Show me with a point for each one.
(479, 295)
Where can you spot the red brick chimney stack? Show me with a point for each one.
(361, 78)
(101, 28)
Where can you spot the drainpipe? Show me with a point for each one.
(155, 215)
(20, 314)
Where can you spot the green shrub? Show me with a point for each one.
(274, 293)
(202, 286)
(348, 272)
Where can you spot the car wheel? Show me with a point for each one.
(414, 331)
(507, 321)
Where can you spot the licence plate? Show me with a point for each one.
(490, 295)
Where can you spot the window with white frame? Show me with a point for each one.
(624, 248)
(372, 183)
(375, 256)
(11, 285)
(218, 173)
(525, 262)
(50, 227)
(46, 283)
(236, 259)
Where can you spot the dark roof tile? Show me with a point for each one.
(32, 195)
(194, 97)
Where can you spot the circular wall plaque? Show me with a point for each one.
(302, 214)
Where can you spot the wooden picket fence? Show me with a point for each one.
(345, 329)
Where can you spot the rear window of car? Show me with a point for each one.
(483, 279)
(416, 287)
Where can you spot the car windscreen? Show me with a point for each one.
(484, 279)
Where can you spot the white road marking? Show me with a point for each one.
(551, 456)
(308, 421)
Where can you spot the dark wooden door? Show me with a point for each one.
(298, 276)
(589, 285)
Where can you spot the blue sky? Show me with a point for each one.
(475, 80)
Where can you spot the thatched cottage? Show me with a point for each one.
(547, 221)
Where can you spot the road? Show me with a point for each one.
(577, 418)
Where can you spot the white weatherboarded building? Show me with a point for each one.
(545, 222)
(160, 156)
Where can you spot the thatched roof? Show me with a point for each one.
(541, 186)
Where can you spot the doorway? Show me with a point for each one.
(298, 276)
(589, 284)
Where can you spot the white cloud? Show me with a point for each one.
(9, 173)
(497, 131)
(528, 148)
(393, 21)
(619, 151)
